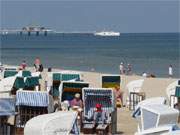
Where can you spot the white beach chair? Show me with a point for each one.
(134, 95)
(170, 91)
(156, 119)
(59, 123)
(149, 101)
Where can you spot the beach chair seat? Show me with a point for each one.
(102, 129)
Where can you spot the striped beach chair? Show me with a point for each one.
(103, 96)
(7, 116)
(69, 89)
(110, 81)
(58, 78)
(30, 104)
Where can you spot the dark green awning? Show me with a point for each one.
(19, 83)
(9, 73)
(67, 77)
(56, 77)
(26, 73)
(177, 92)
(32, 81)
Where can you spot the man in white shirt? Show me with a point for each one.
(170, 71)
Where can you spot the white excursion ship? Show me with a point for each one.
(107, 33)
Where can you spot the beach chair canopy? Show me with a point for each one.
(149, 101)
(177, 91)
(59, 123)
(135, 86)
(32, 98)
(157, 115)
(31, 81)
(68, 89)
(66, 76)
(7, 106)
(10, 73)
(110, 81)
(103, 96)
(19, 83)
(170, 90)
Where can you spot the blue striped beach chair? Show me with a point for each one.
(30, 104)
(103, 96)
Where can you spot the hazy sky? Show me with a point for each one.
(86, 15)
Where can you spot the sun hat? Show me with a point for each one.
(77, 95)
(98, 106)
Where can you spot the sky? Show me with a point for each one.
(126, 16)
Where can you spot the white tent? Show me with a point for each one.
(157, 119)
(135, 86)
(58, 123)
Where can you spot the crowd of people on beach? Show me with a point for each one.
(127, 70)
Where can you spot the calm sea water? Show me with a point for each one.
(146, 52)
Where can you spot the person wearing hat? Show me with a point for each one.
(76, 102)
(99, 115)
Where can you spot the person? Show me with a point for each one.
(144, 74)
(129, 69)
(121, 68)
(38, 66)
(23, 65)
(118, 96)
(76, 102)
(170, 71)
(99, 114)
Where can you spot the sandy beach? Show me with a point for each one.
(153, 87)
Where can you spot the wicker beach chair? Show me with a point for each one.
(69, 89)
(30, 104)
(134, 93)
(171, 91)
(105, 97)
(7, 116)
(157, 119)
(58, 123)
(110, 81)
(58, 78)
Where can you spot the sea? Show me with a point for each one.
(146, 52)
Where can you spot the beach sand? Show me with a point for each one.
(153, 87)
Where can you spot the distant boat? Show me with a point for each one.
(107, 33)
